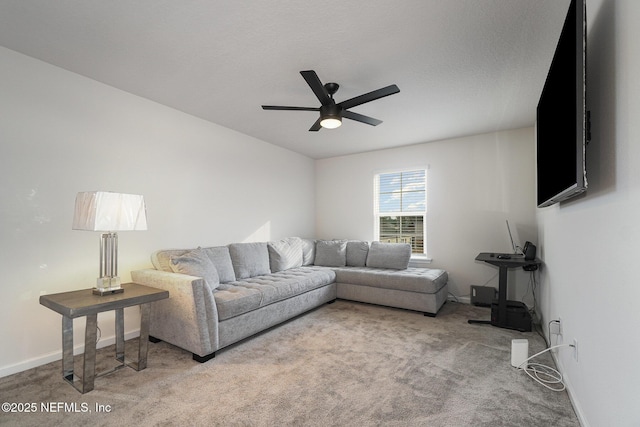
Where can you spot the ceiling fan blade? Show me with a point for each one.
(361, 118)
(316, 126)
(280, 107)
(368, 97)
(316, 86)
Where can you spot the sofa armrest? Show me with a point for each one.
(189, 317)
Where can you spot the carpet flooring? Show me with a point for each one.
(343, 364)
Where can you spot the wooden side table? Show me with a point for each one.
(84, 303)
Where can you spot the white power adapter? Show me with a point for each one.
(519, 352)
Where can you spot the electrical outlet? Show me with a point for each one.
(575, 349)
(554, 327)
(559, 325)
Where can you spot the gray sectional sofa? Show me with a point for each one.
(221, 295)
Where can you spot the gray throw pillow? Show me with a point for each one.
(196, 263)
(249, 259)
(389, 255)
(331, 253)
(357, 252)
(161, 260)
(285, 254)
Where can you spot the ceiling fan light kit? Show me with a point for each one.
(331, 122)
(331, 114)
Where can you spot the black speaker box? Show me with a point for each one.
(483, 295)
(529, 251)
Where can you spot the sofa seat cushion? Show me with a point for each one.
(242, 296)
(422, 280)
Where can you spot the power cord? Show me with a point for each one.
(544, 374)
(532, 285)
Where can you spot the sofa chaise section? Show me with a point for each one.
(418, 289)
(378, 273)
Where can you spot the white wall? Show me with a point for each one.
(473, 185)
(589, 245)
(61, 133)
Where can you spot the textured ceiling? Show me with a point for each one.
(463, 66)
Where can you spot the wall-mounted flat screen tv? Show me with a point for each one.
(562, 122)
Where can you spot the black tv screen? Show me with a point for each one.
(561, 119)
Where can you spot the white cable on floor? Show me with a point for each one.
(549, 374)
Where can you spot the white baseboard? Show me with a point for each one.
(461, 300)
(57, 355)
(464, 300)
(572, 396)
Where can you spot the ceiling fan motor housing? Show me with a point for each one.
(331, 110)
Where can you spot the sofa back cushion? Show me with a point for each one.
(196, 263)
(331, 253)
(308, 251)
(389, 255)
(285, 254)
(249, 259)
(219, 256)
(357, 252)
(221, 259)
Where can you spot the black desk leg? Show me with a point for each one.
(502, 296)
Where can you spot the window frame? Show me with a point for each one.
(415, 257)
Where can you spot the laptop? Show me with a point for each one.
(516, 253)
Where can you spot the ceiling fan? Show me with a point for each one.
(331, 114)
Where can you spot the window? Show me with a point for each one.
(400, 208)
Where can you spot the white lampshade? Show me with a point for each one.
(106, 211)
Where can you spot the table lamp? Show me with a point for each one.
(109, 212)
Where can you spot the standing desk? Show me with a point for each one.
(504, 313)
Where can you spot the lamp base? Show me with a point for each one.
(108, 286)
(102, 292)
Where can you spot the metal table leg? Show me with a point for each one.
(85, 384)
(143, 344)
(120, 335)
(67, 349)
(89, 368)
